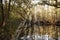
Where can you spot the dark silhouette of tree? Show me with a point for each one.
(9, 5)
(55, 5)
(3, 15)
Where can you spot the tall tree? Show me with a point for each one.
(9, 4)
(3, 15)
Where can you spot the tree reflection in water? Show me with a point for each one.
(41, 32)
(50, 33)
(37, 37)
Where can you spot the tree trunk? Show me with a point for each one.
(3, 15)
(8, 9)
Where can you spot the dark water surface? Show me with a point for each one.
(38, 32)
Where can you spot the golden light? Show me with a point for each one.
(34, 1)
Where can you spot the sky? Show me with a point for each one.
(36, 1)
(58, 0)
(5, 0)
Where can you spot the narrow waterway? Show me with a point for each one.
(30, 31)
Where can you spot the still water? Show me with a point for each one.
(34, 32)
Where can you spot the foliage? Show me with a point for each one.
(16, 11)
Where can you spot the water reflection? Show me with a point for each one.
(50, 32)
(37, 37)
(28, 30)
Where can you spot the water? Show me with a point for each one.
(28, 31)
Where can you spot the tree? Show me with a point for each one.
(3, 15)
